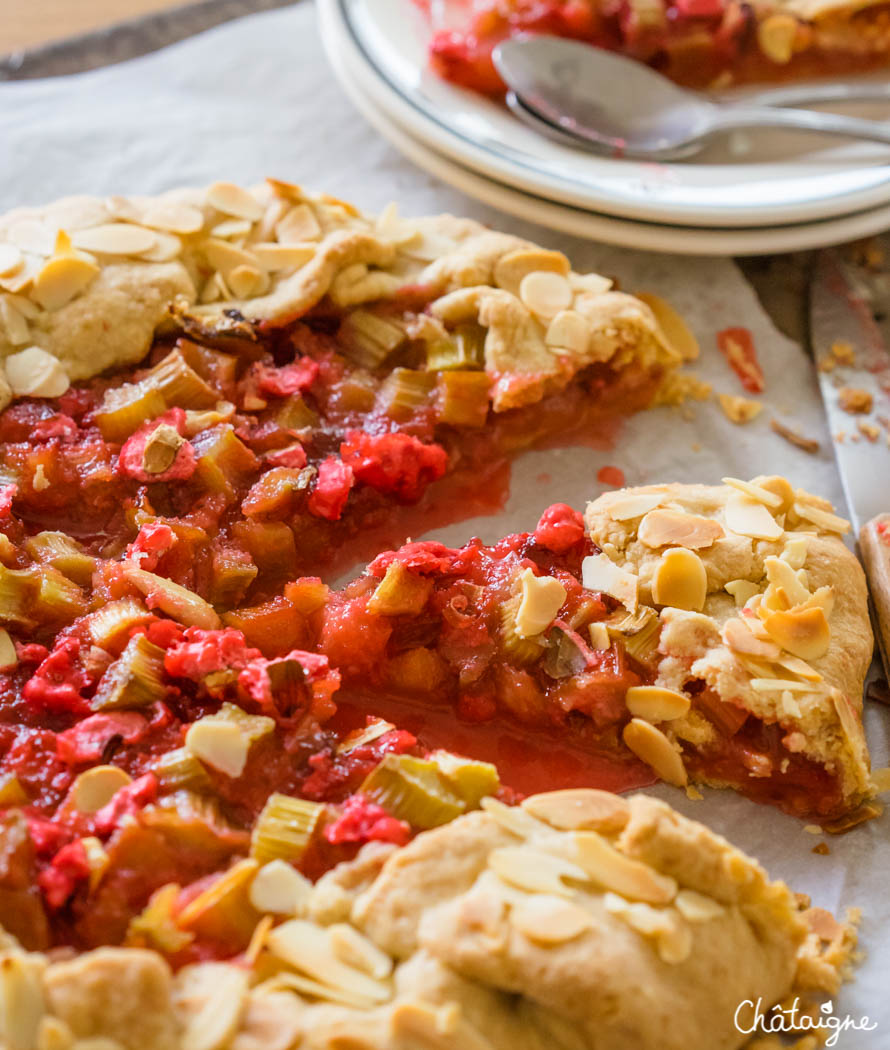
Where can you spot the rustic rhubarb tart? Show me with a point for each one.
(576, 921)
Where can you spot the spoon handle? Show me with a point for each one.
(814, 95)
(730, 118)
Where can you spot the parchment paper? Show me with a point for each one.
(255, 97)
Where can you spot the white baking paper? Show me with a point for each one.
(255, 97)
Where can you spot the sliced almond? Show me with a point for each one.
(227, 257)
(549, 920)
(669, 528)
(599, 636)
(612, 870)
(33, 372)
(672, 325)
(545, 294)
(33, 237)
(61, 279)
(651, 746)
(243, 280)
(534, 870)
(822, 598)
(299, 224)
(779, 685)
(778, 486)
(799, 667)
(513, 819)
(654, 703)
(780, 574)
(570, 331)
(22, 1004)
(674, 945)
(174, 217)
(28, 310)
(803, 632)
(11, 259)
(512, 267)
(95, 788)
(849, 720)
(231, 228)
(576, 809)
(114, 238)
(775, 36)
(542, 598)
(167, 246)
(630, 505)
(696, 907)
(599, 573)
(755, 492)
(211, 997)
(274, 257)
(739, 410)
(738, 636)
(233, 200)
(14, 322)
(354, 949)
(220, 745)
(748, 517)
(795, 551)
(823, 519)
(680, 580)
(279, 889)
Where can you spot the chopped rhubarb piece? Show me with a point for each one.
(364, 821)
(699, 8)
(88, 740)
(69, 867)
(352, 637)
(58, 683)
(292, 456)
(7, 495)
(394, 463)
(429, 558)
(152, 542)
(737, 346)
(291, 684)
(559, 528)
(613, 476)
(200, 653)
(335, 479)
(289, 379)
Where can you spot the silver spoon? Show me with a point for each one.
(624, 107)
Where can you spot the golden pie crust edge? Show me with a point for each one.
(578, 920)
(89, 281)
(821, 708)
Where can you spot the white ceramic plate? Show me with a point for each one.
(782, 179)
(642, 235)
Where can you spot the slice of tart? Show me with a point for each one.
(308, 383)
(543, 927)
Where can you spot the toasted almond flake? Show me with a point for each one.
(299, 224)
(549, 920)
(668, 528)
(354, 949)
(172, 217)
(693, 794)
(33, 372)
(738, 636)
(630, 505)
(278, 888)
(114, 238)
(512, 818)
(822, 518)
(221, 745)
(8, 656)
(804, 632)
(430, 1028)
(545, 294)
(167, 246)
(226, 257)
(305, 946)
(741, 590)
(305, 986)
(749, 517)
(211, 998)
(12, 319)
(612, 870)
(21, 1000)
(512, 267)
(775, 685)
(600, 638)
(33, 237)
(849, 720)
(61, 279)
(243, 280)
(591, 284)
(696, 907)
(812, 829)
(231, 228)
(756, 492)
(576, 809)
(680, 580)
(655, 703)
(233, 200)
(822, 598)
(599, 573)
(96, 787)
(542, 598)
(534, 870)
(673, 327)
(274, 257)
(780, 574)
(799, 667)
(795, 551)
(651, 746)
(739, 410)
(11, 259)
(570, 331)
(258, 940)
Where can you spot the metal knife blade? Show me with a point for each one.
(841, 317)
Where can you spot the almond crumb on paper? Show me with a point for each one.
(812, 829)
(870, 431)
(693, 794)
(843, 352)
(821, 848)
(806, 444)
(739, 409)
(855, 401)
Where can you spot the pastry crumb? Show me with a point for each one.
(812, 829)
(678, 388)
(855, 401)
(693, 794)
(821, 849)
(843, 352)
(869, 430)
(809, 445)
(739, 409)
(827, 364)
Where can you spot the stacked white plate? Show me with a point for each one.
(754, 194)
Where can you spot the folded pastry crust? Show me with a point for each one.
(89, 281)
(580, 921)
(761, 602)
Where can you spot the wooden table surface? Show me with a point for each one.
(28, 23)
